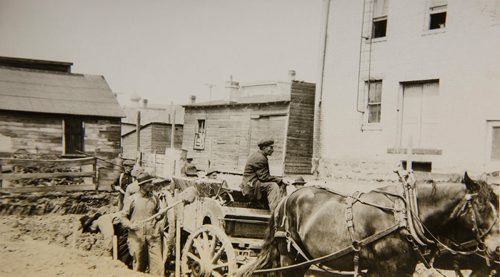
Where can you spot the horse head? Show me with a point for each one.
(480, 213)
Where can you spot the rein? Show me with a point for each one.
(407, 218)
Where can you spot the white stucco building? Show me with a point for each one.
(404, 74)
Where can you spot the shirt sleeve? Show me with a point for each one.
(126, 212)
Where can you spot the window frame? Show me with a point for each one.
(66, 126)
(369, 104)
(379, 13)
(199, 136)
(434, 11)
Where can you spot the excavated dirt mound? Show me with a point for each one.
(57, 203)
(45, 246)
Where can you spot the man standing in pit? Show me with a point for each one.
(257, 180)
(144, 239)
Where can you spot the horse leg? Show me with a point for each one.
(390, 268)
(287, 260)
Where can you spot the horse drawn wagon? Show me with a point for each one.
(218, 231)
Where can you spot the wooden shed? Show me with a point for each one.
(225, 133)
(48, 112)
(155, 137)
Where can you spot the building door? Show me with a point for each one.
(270, 127)
(420, 115)
(73, 135)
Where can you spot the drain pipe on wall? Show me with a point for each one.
(319, 98)
(361, 40)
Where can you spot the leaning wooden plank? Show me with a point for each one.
(49, 188)
(63, 163)
(18, 176)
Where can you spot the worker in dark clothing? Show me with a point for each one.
(123, 181)
(257, 180)
(144, 239)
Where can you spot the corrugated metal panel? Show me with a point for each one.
(76, 94)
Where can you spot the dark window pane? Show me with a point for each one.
(437, 20)
(495, 144)
(73, 134)
(379, 28)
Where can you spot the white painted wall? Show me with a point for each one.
(465, 57)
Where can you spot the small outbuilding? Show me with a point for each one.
(224, 133)
(49, 112)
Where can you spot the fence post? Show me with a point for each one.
(96, 174)
(1, 180)
(154, 162)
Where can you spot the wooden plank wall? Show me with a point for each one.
(162, 137)
(299, 145)
(41, 135)
(103, 139)
(228, 129)
(154, 137)
(35, 133)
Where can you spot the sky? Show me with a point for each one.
(167, 50)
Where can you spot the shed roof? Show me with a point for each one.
(60, 93)
(248, 100)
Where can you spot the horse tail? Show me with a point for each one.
(268, 257)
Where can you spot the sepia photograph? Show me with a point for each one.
(245, 138)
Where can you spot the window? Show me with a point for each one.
(201, 126)
(379, 27)
(437, 14)
(73, 135)
(199, 135)
(495, 143)
(418, 166)
(374, 103)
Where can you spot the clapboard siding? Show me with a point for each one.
(299, 144)
(42, 137)
(155, 136)
(36, 134)
(43, 134)
(232, 132)
(227, 142)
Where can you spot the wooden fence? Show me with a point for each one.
(87, 169)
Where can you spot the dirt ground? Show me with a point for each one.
(36, 246)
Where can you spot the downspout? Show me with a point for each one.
(362, 111)
(323, 52)
(361, 39)
(319, 99)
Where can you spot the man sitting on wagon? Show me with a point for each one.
(258, 181)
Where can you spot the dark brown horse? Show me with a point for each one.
(316, 223)
(465, 254)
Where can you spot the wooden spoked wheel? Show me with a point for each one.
(208, 252)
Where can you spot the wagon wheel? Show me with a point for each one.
(208, 252)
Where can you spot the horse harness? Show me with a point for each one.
(405, 211)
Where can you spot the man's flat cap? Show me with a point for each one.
(299, 181)
(265, 142)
